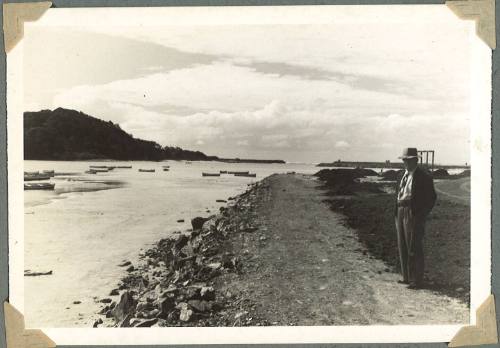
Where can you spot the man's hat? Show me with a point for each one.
(409, 152)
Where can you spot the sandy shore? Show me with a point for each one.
(279, 255)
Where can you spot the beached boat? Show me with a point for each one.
(32, 173)
(147, 170)
(210, 174)
(99, 170)
(249, 175)
(166, 169)
(90, 171)
(98, 166)
(235, 173)
(166, 166)
(124, 167)
(39, 186)
(36, 177)
(223, 171)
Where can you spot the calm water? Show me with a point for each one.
(91, 222)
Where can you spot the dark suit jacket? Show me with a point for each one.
(423, 195)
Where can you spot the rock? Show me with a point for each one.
(221, 201)
(126, 263)
(181, 241)
(239, 315)
(188, 293)
(198, 222)
(106, 300)
(97, 322)
(180, 220)
(145, 322)
(186, 314)
(440, 173)
(200, 305)
(165, 306)
(171, 291)
(104, 310)
(214, 265)
(114, 292)
(77, 302)
(126, 321)
(144, 306)
(207, 293)
(152, 314)
(160, 323)
(130, 269)
(126, 305)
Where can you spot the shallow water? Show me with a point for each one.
(91, 222)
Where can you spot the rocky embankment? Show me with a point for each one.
(174, 283)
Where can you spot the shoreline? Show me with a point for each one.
(174, 282)
(221, 272)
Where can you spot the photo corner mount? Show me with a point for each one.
(14, 16)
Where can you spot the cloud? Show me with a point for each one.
(341, 144)
(295, 93)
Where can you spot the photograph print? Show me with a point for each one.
(263, 172)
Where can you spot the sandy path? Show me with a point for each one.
(309, 269)
(455, 190)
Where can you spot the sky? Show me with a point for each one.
(299, 92)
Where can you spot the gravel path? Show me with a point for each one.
(307, 268)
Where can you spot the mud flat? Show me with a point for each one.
(278, 255)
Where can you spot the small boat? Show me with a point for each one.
(99, 170)
(110, 168)
(98, 166)
(210, 174)
(36, 177)
(147, 170)
(249, 175)
(39, 186)
(49, 172)
(238, 173)
(223, 171)
(91, 171)
(32, 173)
(124, 167)
(166, 166)
(166, 169)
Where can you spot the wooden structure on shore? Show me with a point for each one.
(427, 153)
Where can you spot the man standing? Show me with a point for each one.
(415, 200)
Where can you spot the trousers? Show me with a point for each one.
(410, 231)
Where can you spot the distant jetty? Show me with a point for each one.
(395, 165)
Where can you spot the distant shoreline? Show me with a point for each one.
(391, 165)
(223, 160)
